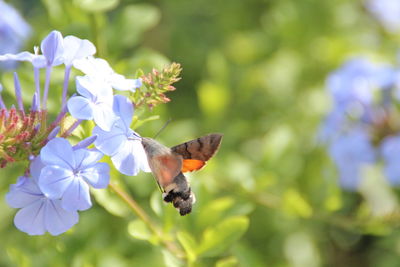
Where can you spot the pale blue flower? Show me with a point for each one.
(68, 173)
(390, 149)
(100, 70)
(357, 81)
(350, 152)
(76, 49)
(121, 143)
(94, 103)
(38, 213)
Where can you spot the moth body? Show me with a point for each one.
(168, 165)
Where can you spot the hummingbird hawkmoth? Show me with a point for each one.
(169, 164)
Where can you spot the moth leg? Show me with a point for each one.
(168, 197)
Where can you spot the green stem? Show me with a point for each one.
(171, 246)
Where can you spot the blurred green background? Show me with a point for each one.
(253, 70)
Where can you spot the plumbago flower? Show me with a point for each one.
(75, 170)
(363, 126)
(121, 143)
(38, 213)
(56, 182)
(96, 101)
(50, 195)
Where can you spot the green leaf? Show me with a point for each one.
(156, 203)
(215, 209)
(294, 203)
(189, 244)
(136, 19)
(111, 202)
(227, 262)
(18, 257)
(96, 5)
(171, 260)
(219, 238)
(138, 229)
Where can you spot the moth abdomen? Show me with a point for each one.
(180, 194)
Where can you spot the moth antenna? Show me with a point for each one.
(162, 128)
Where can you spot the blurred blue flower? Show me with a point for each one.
(122, 143)
(68, 173)
(100, 70)
(390, 150)
(387, 12)
(357, 81)
(14, 31)
(95, 102)
(350, 152)
(38, 213)
(359, 128)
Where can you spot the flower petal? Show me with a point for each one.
(54, 181)
(58, 151)
(30, 219)
(98, 176)
(80, 108)
(131, 158)
(119, 82)
(86, 158)
(109, 142)
(75, 48)
(57, 220)
(23, 193)
(85, 142)
(38, 61)
(35, 168)
(53, 49)
(104, 116)
(84, 86)
(77, 196)
(94, 67)
(123, 108)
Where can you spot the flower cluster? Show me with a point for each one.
(156, 84)
(363, 126)
(55, 185)
(387, 13)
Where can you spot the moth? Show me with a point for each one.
(169, 164)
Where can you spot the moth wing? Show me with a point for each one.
(202, 148)
(166, 167)
(197, 152)
(190, 165)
